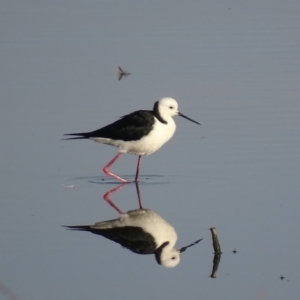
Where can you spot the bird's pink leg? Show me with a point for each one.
(138, 168)
(107, 172)
(107, 195)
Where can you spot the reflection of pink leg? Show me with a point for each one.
(138, 169)
(139, 195)
(107, 195)
(107, 172)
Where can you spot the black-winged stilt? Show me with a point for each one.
(122, 73)
(142, 231)
(141, 132)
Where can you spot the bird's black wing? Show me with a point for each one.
(130, 127)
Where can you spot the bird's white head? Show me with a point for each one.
(166, 108)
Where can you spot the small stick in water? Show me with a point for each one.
(215, 239)
(216, 261)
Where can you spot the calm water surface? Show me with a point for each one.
(233, 66)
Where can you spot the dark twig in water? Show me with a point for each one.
(217, 248)
(216, 261)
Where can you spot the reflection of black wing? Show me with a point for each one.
(130, 237)
(131, 127)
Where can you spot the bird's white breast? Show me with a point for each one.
(150, 143)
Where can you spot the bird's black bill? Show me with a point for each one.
(181, 115)
(184, 248)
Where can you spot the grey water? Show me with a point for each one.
(234, 66)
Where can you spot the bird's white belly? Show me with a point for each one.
(148, 144)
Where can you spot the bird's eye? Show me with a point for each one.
(173, 257)
(171, 107)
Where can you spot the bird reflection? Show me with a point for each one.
(141, 230)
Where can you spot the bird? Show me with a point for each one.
(142, 231)
(141, 132)
(122, 73)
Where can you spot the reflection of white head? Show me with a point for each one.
(170, 259)
(167, 256)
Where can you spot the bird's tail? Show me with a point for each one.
(78, 227)
(79, 136)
